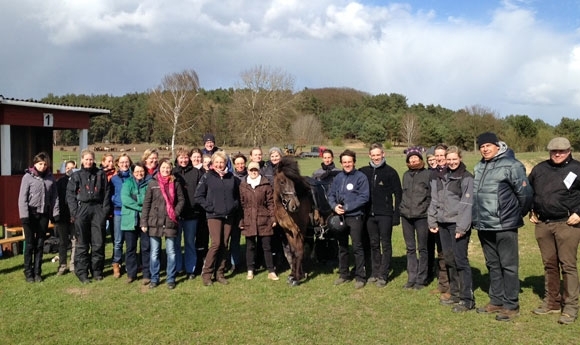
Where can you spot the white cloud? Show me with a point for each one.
(511, 61)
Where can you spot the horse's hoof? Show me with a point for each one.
(295, 283)
(290, 279)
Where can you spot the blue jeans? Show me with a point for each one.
(118, 240)
(187, 227)
(235, 251)
(155, 264)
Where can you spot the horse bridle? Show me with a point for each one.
(284, 201)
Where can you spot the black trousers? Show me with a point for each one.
(90, 246)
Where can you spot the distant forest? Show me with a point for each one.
(242, 117)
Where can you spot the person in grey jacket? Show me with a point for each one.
(502, 196)
(450, 215)
(414, 204)
(37, 203)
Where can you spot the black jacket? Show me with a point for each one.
(88, 186)
(553, 200)
(219, 196)
(386, 191)
(416, 193)
(188, 178)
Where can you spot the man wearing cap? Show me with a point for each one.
(382, 211)
(556, 214)
(502, 196)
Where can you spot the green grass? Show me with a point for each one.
(62, 311)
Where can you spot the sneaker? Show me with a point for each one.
(507, 314)
(222, 280)
(62, 269)
(462, 307)
(273, 276)
(408, 286)
(544, 310)
(171, 286)
(152, 285)
(341, 281)
(250, 275)
(566, 319)
(489, 309)
(359, 284)
(38, 279)
(381, 283)
(146, 281)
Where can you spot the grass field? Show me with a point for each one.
(62, 311)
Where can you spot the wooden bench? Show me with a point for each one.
(15, 234)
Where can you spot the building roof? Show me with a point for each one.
(37, 104)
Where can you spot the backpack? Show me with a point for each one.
(51, 245)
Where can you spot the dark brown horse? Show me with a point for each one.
(293, 204)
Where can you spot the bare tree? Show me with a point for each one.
(477, 119)
(307, 129)
(262, 105)
(173, 99)
(410, 129)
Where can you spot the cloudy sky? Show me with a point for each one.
(512, 56)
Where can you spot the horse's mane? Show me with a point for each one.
(289, 167)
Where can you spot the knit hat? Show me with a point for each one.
(487, 138)
(208, 137)
(253, 165)
(414, 151)
(276, 149)
(559, 144)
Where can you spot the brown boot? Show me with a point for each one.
(116, 270)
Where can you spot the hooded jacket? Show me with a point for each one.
(502, 194)
(38, 194)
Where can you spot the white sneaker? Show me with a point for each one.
(250, 275)
(273, 276)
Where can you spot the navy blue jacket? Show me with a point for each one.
(351, 190)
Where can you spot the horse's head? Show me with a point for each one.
(286, 192)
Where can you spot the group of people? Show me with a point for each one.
(438, 207)
(216, 200)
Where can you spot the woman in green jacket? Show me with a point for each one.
(132, 195)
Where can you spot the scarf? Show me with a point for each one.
(417, 166)
(168, 190)
(220, 172)
(377, 165)
(254, 182)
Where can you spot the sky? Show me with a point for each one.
(514, 57)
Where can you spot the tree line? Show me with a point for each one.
(264, 110)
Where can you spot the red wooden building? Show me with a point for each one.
(26, 128)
